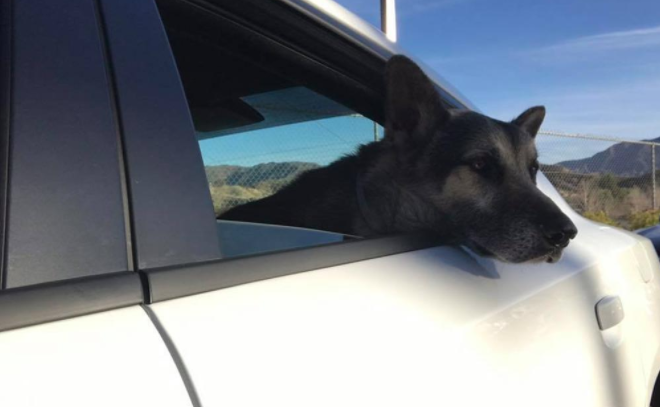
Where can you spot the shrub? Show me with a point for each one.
(644, 219)
(601, 217)
(228, 196)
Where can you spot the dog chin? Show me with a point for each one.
(553, 256)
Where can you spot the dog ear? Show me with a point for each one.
(530, 120)
(412, 104)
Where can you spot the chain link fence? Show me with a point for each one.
(607, 179)
(253, 165)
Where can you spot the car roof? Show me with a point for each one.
(337, 18)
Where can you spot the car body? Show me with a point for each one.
(653, 234)
(119, 288)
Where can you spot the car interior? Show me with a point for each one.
(261, 121)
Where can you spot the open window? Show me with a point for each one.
(262, 117)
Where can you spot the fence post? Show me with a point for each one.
(653, 174)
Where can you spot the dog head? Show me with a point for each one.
(476, 176)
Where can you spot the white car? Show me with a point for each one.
(119, 287)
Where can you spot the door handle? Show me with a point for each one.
(609, 312)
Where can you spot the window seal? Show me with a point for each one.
(6, 55)
(54, 301)
(183, 280)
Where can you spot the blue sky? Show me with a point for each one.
(319, 141)
(595, 64)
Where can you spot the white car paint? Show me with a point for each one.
(111, 359)
(432, 327)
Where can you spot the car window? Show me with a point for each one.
(299, 130)
(259, 127)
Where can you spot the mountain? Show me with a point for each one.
(252, 177)
(233, 185)
(623, 159)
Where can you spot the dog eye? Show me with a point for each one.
(479, 164)
(534, 169)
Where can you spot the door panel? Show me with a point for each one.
(114, 358)
(431, 327)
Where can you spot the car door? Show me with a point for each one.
(72, 328)
(388, 321)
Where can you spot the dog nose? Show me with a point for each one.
(559, 233)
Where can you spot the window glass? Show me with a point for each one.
(301, 130)
(258, 130)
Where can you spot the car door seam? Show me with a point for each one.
(176, 356)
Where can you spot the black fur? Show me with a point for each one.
(465, 177)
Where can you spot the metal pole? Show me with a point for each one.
(388, 18)
(653, 175)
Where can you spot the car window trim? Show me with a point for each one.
(129, 224)
(6, 47)
(54, 301)
(168, 227)
(183, 280)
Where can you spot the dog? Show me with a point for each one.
(456, 174)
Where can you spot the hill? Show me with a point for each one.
(219, 175)
(233, 185)
(623, 159)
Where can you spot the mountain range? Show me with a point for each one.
(623, 159)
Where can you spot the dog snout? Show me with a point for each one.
(559, 232)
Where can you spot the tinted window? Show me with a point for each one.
(260, 125)
(299, 130)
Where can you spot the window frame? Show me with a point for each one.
(171, 211)
(271, 27)
(182, 278)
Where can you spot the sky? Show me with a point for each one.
(594, 64)
(318, 141)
